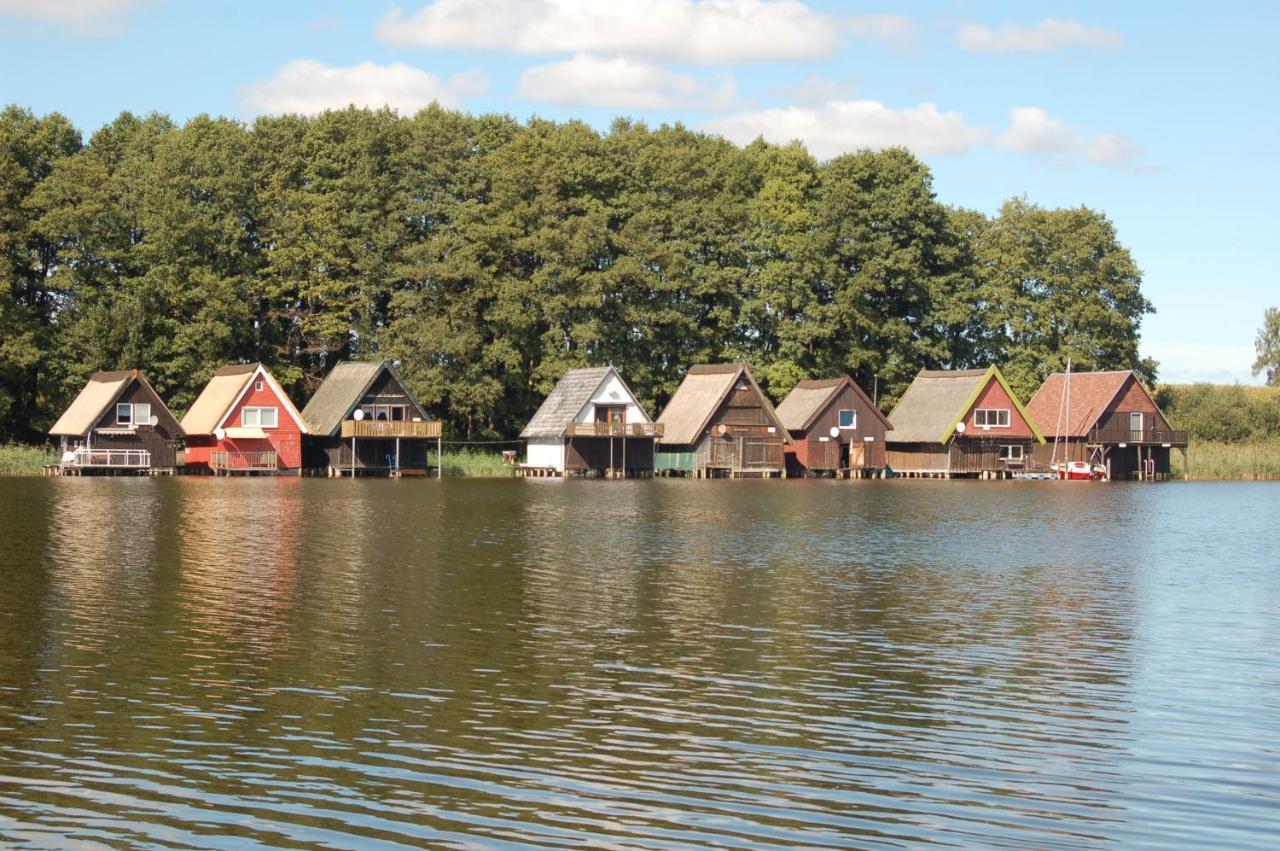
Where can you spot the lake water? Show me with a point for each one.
(316, 663)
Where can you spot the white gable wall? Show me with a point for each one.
(612, 392)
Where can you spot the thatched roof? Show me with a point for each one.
(342, 389)
(574, 389)
(1091, 394)
(700, 395)
(222, 392)
(99, 394)
(808, 399)
(938, 400)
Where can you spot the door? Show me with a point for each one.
(857, 455)
(1135, 427)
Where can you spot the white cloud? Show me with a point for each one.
(707, 31)
(307, 87)
(842, 126)
(89, 16)
(1036, 133)
(1049, 34)
(814, 91)
(897, 30)
(621, 81)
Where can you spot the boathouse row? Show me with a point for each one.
(363, 420)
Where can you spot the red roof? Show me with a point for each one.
(1091, 393)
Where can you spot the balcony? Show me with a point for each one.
(121, 459)
(390, 428)
(1120, 434)
(617, 429)
(243, 462)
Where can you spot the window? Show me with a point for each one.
(142, 413)
(258, 386)
(1011, 452)
(124, 414)
(259, 417)
(385, 412)
(991, 418)
(847, 419)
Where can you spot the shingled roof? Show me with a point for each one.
(343, 388)
(575, 389)
(808, 399)
(938, 400)
(223, 391)
(1091, 394)
(100, 393)
(698, 397)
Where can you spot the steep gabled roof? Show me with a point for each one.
(575, 388)
(1091, 394)
(937, 401)
(343, 388)
(99, 393)
(698, 398)
(808, 399)
(224, 390)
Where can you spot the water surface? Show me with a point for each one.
(312, 663)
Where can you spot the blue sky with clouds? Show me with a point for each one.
(1159, 114)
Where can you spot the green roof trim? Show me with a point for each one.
(992, 372)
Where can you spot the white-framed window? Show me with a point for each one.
(991, 417)
(142, 413)
(847, 419)
(385, 412)
(258, 385)
(260, 417)
(1011, 452)
(124, 414)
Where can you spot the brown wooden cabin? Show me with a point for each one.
(117, 425)
(834, 428)
(1105, 418)
(591, 424)
(719, 423)
(961, 423)
(363, 421)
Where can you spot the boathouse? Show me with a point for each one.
(961, 423)
(116, 425)
(364, 421)
(1105, 418)
(719, 423)
(243, 422)
(591, 424)
(835, 429)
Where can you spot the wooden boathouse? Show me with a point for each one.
(1105, 418)
(363, 421)
(720, 424)
(243, 422)
(836, 430)
(590, 425)
(117, 425)
(961, 424)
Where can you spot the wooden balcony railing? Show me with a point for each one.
(246, 461)
(593, 429)
(119, 458)
(1118, 433)
(390, 428)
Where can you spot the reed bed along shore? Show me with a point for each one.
(476, 464)
(21, 459)
(1257, 460)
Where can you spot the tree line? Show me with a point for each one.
(488, 255)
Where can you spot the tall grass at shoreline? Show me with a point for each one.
(476, 464)
(1249, 461)
(20, 459)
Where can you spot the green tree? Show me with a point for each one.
(1267, 344)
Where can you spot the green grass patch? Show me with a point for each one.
(476, 464)
(1255, 460)
(21, 459)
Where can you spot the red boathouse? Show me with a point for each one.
(243, 422)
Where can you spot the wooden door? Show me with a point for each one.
(857, 455)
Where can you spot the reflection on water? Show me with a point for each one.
(240, 663)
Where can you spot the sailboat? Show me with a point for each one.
(1071, 471)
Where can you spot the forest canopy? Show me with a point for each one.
(487, 255)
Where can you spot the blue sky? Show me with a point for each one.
(1161, 115)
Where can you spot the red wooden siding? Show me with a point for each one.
(285, 440)
(994, 396)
